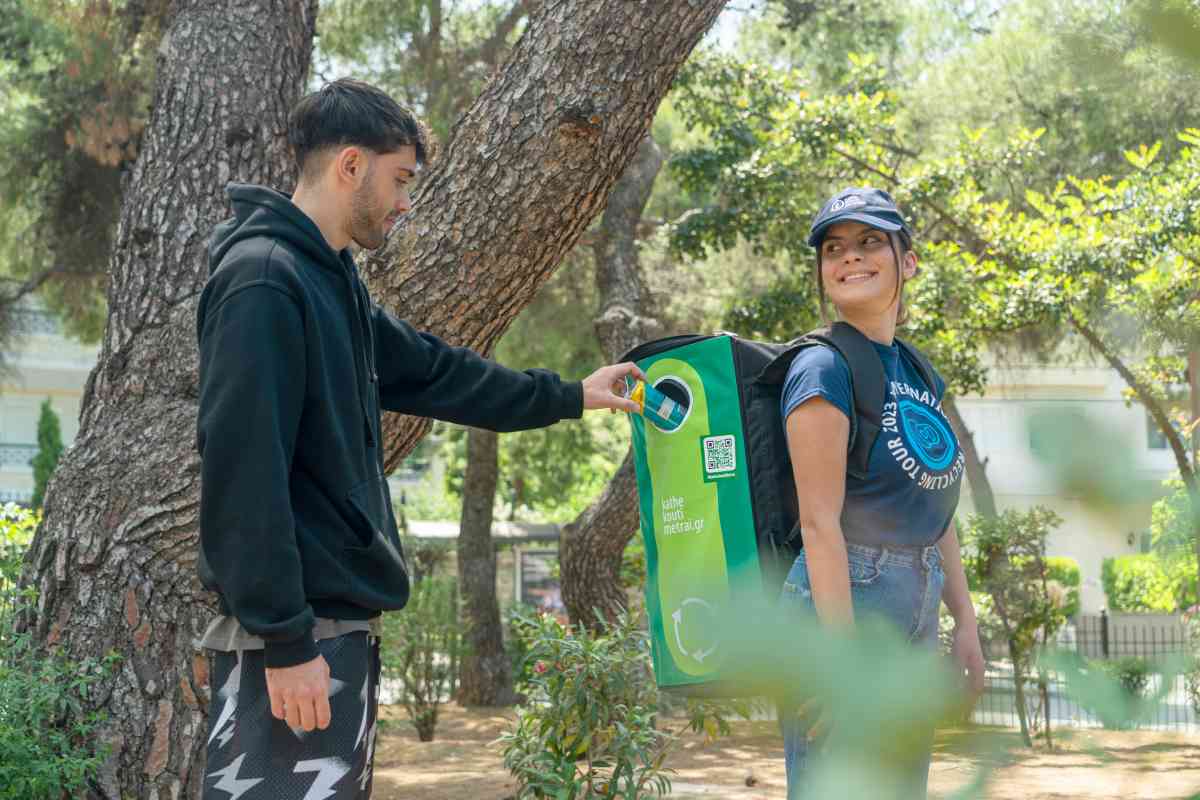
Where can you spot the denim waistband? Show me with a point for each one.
(900, 555)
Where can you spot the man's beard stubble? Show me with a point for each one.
(365, 232)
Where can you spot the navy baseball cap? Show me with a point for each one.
(864, 204)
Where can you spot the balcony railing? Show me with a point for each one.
(16, 455)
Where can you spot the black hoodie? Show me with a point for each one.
(295, 363)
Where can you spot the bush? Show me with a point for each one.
(46, 739)
(1065, 572)
(1132, 673)
(1133, 676)
(516, 620)
(421, 650)
(1191, 683)
(1147, 583)
(588, 729)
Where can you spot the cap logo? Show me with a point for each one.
(853, 201)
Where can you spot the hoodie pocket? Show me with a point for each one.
(376, 563)
(367, 504)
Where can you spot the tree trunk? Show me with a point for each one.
(982, 496)
(1185, 461)
(1193, 488)
(532, 162)
(528, 167)
(1019, 693)
(591, 546)
(114, 560)
(484, 675)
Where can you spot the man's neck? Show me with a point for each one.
(314, 203)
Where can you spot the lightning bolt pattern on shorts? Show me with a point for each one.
(253, 756)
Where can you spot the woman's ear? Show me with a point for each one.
(910, 264)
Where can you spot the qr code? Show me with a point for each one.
(720, 454)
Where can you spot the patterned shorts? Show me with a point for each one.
(254, 756)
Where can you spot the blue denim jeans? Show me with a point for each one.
(900, 585)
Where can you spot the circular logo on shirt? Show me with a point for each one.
(927, 434)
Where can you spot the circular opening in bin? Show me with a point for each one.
(676, 389)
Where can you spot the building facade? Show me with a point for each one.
(1117, 439)
(42, 363)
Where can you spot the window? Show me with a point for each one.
(1155, 438)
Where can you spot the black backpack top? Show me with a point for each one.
(761, 369)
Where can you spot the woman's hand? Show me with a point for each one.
(968, 655)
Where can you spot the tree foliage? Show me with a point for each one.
(75, 82)
(1113, 258)
(432, 55)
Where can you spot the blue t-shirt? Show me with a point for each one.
(914, 473)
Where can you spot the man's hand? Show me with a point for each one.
(603, 388)
(300, 694)
(968, 656)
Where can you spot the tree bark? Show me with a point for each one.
(531, 163)
(114, 559)
(484, 675)
(591, 546)
(982, 496)
(528, 167)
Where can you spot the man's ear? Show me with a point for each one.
(350, 165)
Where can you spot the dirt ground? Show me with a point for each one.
(462, 764)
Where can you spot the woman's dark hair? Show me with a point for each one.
(901, 243)
(349, 112)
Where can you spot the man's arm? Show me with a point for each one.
(420, 374)
(252, 368)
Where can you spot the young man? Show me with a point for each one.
(297, 535)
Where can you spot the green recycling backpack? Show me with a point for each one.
(719, 513)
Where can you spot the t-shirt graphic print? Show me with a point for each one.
(914, 473)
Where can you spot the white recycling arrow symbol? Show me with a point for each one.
(677, 616)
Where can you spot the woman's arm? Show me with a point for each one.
(966, 649)
(954, 592)
(818, 433)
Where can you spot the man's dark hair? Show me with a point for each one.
(349, 112)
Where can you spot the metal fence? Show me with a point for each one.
(1099, 638)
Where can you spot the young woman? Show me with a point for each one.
(883, 543)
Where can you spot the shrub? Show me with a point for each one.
(422, 645)
(516, 642)
(1133, 676)
(46, 738)
(1006, 556)
(1147, 583)
(1131, 672)
(588, 729)
(1065, 572)
(1191, 675)
(1191, 683)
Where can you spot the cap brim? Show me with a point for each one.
(881, 223)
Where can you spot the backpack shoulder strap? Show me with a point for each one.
(924, 365)
(868, 385)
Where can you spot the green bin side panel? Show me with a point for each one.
(696, 519)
